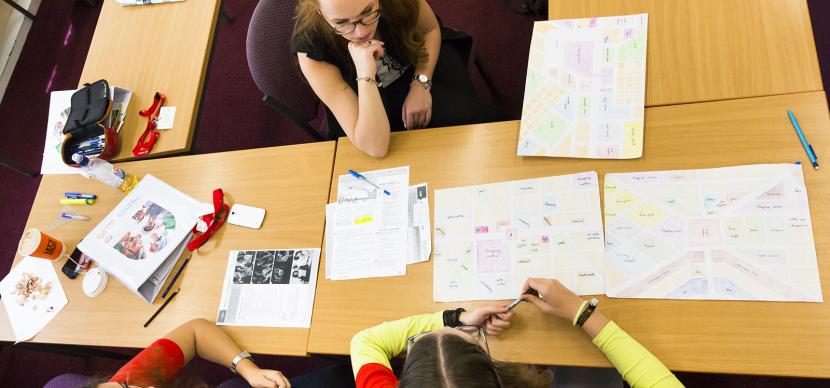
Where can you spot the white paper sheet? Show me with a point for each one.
(269, 288)
(585, 88)
(490, 238)
(733, 233)
(59, 103)
(30, 315)
(369, 228)
(420, 241)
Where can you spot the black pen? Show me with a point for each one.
(176, 276)
(173, 295)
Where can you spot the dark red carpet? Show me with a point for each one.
(233, 117)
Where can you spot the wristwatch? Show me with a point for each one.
(586, 313)
(423, 80)
(239, 357)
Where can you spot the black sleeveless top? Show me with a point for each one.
(390, 67)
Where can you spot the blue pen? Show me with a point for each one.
(807, 147)
(90, 142)
(80, 195)
(68, 216)
(363, 178)
(87, 148)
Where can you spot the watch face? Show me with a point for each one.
(423, 78)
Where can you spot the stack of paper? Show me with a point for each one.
(372, 234)
(141, 239)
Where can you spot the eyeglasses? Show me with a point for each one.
(347, 27)
(477, 332)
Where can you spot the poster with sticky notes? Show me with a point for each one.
(490, 238)
(732, 233)
(585, 88)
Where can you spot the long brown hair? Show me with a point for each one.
(446, 360)
(399, 19)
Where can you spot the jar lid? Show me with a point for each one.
(95, 281)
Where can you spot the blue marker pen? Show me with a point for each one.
(363, 178)
(79, 195)
(68, 216)
(807, 147)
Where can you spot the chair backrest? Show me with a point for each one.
(273, 67)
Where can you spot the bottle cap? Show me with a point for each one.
(95, 281)
(80, 159)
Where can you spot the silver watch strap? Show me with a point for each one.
(239, 357)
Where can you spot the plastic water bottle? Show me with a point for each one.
(105, 172)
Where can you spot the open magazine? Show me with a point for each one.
(140, 240)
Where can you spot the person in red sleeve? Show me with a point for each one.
(161, 362)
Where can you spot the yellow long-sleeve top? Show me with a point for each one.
(371, 350)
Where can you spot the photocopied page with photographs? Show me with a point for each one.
(269, 288)
(368, 228)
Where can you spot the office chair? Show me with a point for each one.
(274, 68)
(276, 74)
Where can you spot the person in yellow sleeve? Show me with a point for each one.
(449, 348)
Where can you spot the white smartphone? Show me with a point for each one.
(247, 216)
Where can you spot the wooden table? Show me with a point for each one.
(703, 336)
(705, 50)
(149, 48)
(293, 190)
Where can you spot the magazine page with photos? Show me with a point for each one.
(269, 288)
(136, 237)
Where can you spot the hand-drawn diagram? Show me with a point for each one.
(490, 238)
(726, 233)
(585, 88)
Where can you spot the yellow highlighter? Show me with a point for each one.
(77, 201)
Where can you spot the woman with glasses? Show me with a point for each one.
(449, 349)
(380, 66)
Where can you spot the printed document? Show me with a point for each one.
(368, 228)
(269, 288)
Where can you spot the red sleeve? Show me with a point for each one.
(159, 363)
(375, 376)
